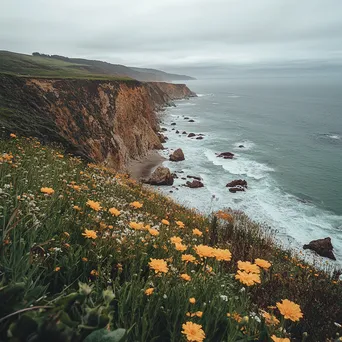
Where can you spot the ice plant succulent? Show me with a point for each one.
(193, 332)
(290, 310)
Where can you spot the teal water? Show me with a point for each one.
(291, 130)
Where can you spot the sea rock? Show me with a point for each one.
(173, 124)
(241, 146)
(191, 120)
(236, 188)
(199, 138)
(184, 132)
(177, 155)
(195, 177)
(194, 184)
(322, 247)
(162, 138)
(174, 175)
(164, 129)
(237, 183)
(177, 131)
(226, 155)
(161, 176)
(186, 118)
(190, 135)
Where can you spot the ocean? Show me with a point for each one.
(291, 132)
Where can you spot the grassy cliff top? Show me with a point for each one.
(85, 249)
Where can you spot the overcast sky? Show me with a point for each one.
(176, 33)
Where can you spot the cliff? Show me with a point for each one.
(110, 122)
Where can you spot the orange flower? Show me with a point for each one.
(136, 204)
(204, 251)
(114, 211)
(248, 278)
(180, 247)
(290, 310)
(188, 258)
(94, 273)
(57, 269)
(12, 135)
(248, 267)
(180, 224)
(153, 231)
(193, 332)
(222, 254)
(176, 239)
(199, 314)
(263, 263)
(48, 191)
(90, 234)
(136, 226)
(269, 319)
(166, 222)
(94, 205)
(158, 265)
(149, 291)
(279, 339)
(197, 232)
(192, 300)
(84, 259)
(185, 277)
(76, 207)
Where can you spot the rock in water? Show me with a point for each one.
(161, 176)
(226, 155)
(323, 247)
(238, 182)
(177, 155)
(236, 188)
(190, 135)
(194, 184)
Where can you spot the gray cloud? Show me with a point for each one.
(176, 33)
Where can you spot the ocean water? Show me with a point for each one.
(291, 130)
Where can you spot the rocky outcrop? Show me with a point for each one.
(237, 185)
(322, 247)
(226, 155)
(194, 177)
(177, 155)
(195, 184)
(162, 138)
(104, 121)
(161, 176)
(190, 135)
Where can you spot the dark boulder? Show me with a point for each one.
(190, 135)
(164, 129)
(191, 120)
(186, 118)
(177, 131)
(184, 132)
(195, 177)
(226, 155)
(238, 182)
(322, 247)
(194, 184)
(199, 138)
(241, 146)
(236, 188)
(177, 155)
(161, 176)
(173, 124)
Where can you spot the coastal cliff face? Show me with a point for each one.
(110, 122)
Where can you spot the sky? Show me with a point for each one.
(178, 35)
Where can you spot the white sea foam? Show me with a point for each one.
(247, 145)
(335, 136)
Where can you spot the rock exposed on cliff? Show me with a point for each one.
(322, 247)
(161, 176)
(177, 155)
(195, 184)
(238, 182)
(190, 135)
(225, 155)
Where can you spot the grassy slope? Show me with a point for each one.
(43, 253)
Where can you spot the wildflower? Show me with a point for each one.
(279, 339)
(262, 263)
(222, 254)
(199, 314)
(188, 258)
(136, 226)
(60, 155)
(158, 265)
(66, 234)
(136, 204)
(247, 278)
(149, 291)
(197, 232)
(12, 135)
(114, 211)
(193, 332)
(76, 207)
(248, 267)
(176, 239)
(94, 273)
(84, 259)
(180, 247)
(48, 191)
(153, 231)
(185, 277)
(204, 251)
(166, 222)
(89, 234)
(76, 187)
(180, 224)
(290, 310)
(269, 319)
(94, 205)
(57, 269)
(192, 300)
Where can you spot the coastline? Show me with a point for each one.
(144, 167)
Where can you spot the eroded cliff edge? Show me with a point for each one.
(110, 122)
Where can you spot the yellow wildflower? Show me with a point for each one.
(66, 234)
(197, 232)
(57, 269)
(193, 332)
(269, 319)
(188, 258)
(204, 251)
(84, 259)
(149, 291)
(48, 191)
(262, 263)
(94, 273)
(192, 300)
(176, 239)
(248, 278)
(153, 231)
(185, 277)
(136, 204)
(248, 267)
(279, 339)
(76, 187)
(76, 207)
(90, 234)
(222, 254)
(12, 135)
(180, 224)
(94, 205)
(166, 222)
(199, 314)
(114, 211)
(158, 265)
(290, 310)
(136, 226)
(180, 247)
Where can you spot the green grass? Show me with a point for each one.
(55, 284)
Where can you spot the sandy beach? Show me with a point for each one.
(144, 167)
